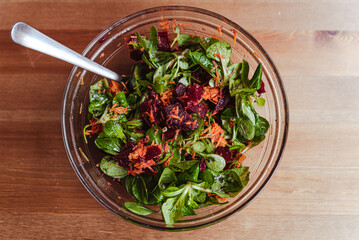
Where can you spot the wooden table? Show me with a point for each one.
(313, 195)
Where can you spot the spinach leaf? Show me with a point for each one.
(138, 208)
(261, 102)
(201, 59)
(230, 182)
(256, 80)
(185, 39)
(110, 168)
(98, 98)
(150, 46)
(261, 129)
(108, 144)
(154, 134)
(139, 189)
(198, 147)
(214, 162)
(190, 175)
(197, 132)
(177, 161)
(221, 51)
(244, 73)
(113, 129)
(120, 99)
(246, 128)
(172, 209)
(168, 176)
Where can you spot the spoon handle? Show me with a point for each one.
(25, 35)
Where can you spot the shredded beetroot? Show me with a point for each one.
(163, 42)
(152, 152)
(177, 118)
(261, 90)
(122, 157)
(151, 110)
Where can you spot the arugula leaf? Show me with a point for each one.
(110, 168)
(138, 208)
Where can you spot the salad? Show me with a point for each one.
(176, 130)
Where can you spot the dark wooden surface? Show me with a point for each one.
(314, 193)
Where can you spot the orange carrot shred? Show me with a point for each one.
(220, 30)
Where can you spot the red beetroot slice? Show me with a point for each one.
(200, 109)
(152, 152)
(202, 165)
(194, 94)
(163, 42)
(261, 90)
(179, 90)
(225, 153)
(151, 110)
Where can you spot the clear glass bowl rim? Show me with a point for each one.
(188, 9)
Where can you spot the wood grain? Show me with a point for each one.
(313, 195)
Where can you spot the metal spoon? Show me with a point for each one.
(25, 35)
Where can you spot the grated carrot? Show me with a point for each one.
(220, 30)
(173, 61)
(211, 94)
(81, 109)
(215, 133)
(78, 74)
(168, 161)
(271, 129)
(114, 87)
(102, 55)
(82, 81)
(256, 54)
(234, 36)
(119, 110)
(124, 86)
(221, 200)
(166, 97)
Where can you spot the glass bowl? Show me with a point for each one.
(109, 49)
